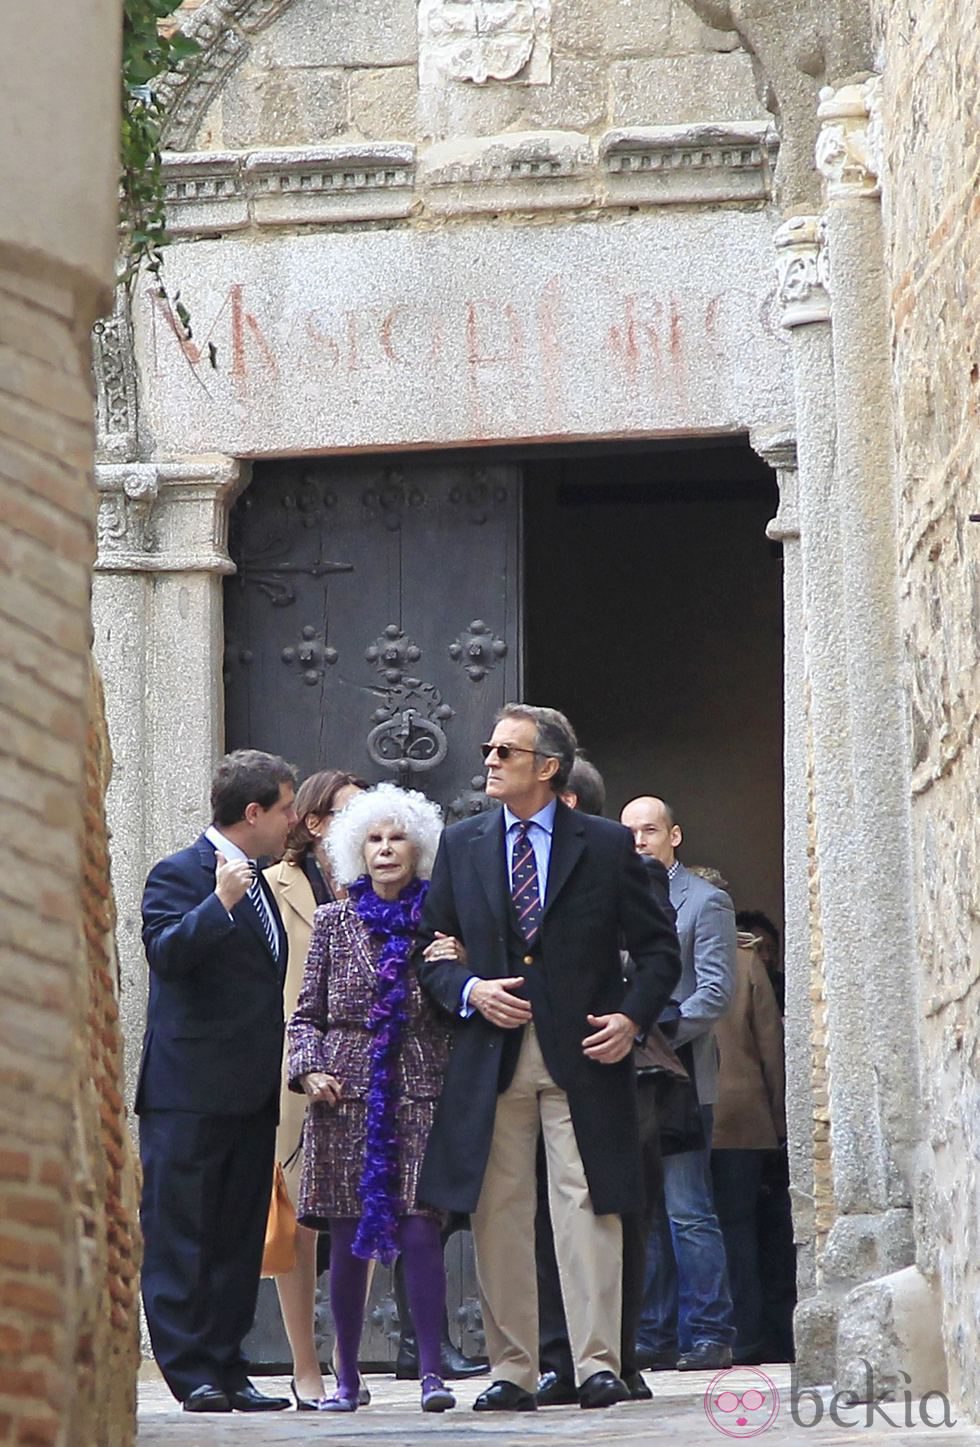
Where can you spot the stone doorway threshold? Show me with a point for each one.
(676, 1414)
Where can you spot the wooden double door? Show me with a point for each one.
(374, 625)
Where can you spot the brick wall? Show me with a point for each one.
(60, 1119)
(931, 200)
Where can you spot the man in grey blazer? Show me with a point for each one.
(687, 1319)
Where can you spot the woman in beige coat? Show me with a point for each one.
(301, 882)
(749, 1128)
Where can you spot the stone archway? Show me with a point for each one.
(501, 266)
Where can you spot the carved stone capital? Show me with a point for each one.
(477, 41)
(804, 292)
(777, 447)
(114, 372)
(167, 516)
(848, 150)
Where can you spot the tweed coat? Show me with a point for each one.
(328, 1032)
(597, 897)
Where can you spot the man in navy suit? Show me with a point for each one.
(208, 1091)
(539, 897)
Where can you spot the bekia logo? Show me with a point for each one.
(741, 1402)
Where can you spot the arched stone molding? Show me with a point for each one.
(224, 30)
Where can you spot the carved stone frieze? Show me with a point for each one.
(204, 191)
(477, 41)
(167, 516)
(688, 164)
(114, 370)
(516, 171)
(209, 192)
(803, 290)
(848, 150)
(326, 184)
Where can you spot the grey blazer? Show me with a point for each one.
(706, 931)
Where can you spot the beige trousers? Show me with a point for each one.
(589, 1248)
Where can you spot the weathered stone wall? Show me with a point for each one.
(379, 72)
(67, 1267)
(931, 205)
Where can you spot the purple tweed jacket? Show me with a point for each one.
(328, 1029)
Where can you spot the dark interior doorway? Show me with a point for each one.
(653, 618)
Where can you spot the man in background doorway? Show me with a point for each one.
(687, 1319)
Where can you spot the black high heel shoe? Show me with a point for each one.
(303, 1404)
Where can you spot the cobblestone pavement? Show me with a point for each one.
(676, 1415)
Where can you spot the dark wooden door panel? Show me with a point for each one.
(374, 622)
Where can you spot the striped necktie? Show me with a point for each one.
(265, 919)
(524, 883)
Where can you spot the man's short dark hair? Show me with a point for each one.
(555, 737)
(586, 783)
(247, 776)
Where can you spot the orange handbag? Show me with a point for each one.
(279, 1256)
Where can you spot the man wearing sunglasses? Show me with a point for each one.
(522, 929)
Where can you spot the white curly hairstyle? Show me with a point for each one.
(420, 818)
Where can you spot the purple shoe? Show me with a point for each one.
(339, 1401)
(436, 1396)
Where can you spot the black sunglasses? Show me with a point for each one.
(504, 751)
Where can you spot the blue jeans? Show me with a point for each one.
(686, 1296)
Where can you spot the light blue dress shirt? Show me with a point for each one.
(541, 827)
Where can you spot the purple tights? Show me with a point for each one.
(420, 1245)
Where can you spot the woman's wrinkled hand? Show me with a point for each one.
(321, 1087)
(445, 947)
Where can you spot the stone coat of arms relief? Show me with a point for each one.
(484, 40)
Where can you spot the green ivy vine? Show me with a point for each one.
(148, 52)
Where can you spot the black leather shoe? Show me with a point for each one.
(454, 1365)
(504, 1397)
(303, 1404)
(457, 1366)
(651, 1361)
(249, 1399)
(705, 1356)
(554, 1391)
(637, 1387)
(207, 1399)
(602, 1389)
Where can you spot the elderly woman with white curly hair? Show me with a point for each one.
(369, 1052)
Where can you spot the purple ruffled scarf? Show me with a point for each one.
(395, 923)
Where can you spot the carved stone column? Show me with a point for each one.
(777, 447)
(819, 1095)
(883, 983)
(159, 639)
